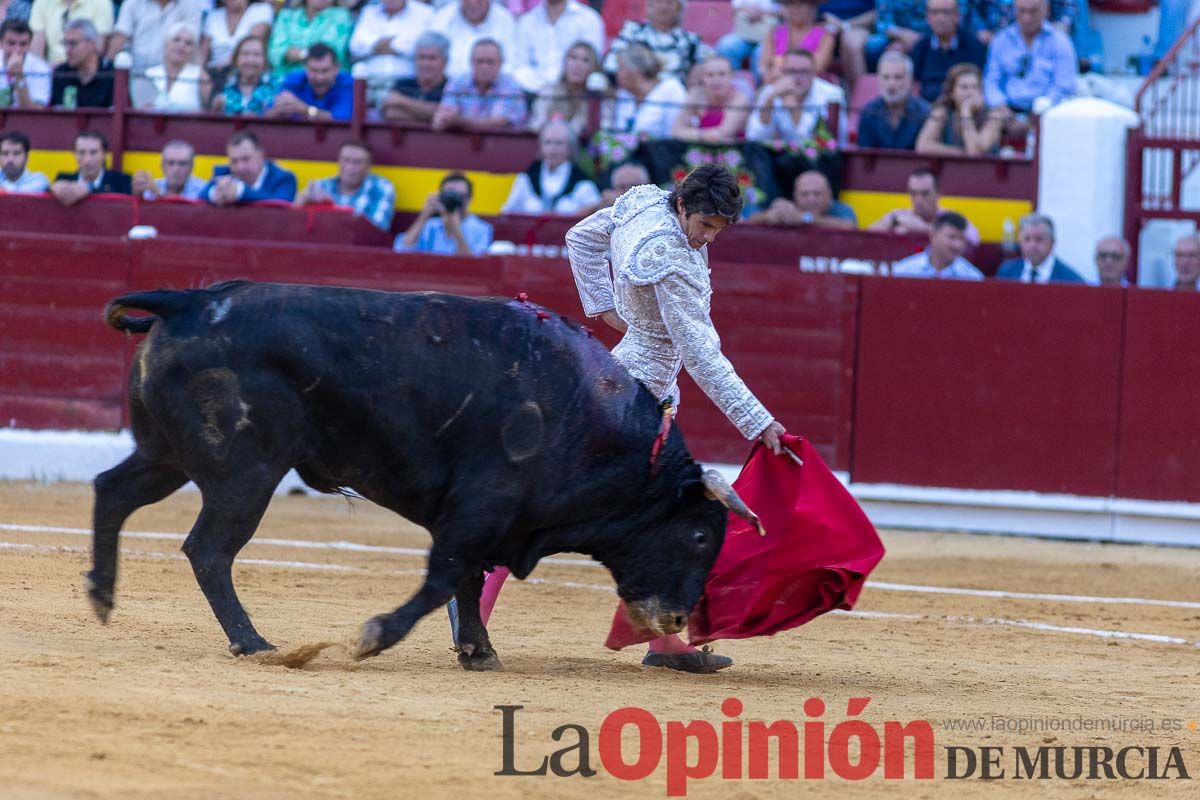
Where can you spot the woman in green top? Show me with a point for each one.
(297, 29)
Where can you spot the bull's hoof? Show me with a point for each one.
(250, 648)
(479, 660)
(370, 640)
(101, 599)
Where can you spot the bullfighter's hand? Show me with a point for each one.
(614, 320)
(772, 437)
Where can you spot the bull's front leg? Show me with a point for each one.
(474, 647)
(442, 577)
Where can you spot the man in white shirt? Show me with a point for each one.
(468, 21)
(545, 33)
(1037, 263)
(647, 100)
(385, 39)
(789, 108)
(943, 258)
(25, 79)
(554, 183)
(142, 27)
(14, 176)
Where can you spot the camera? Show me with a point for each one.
(451, 201)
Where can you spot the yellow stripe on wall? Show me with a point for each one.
(988, 214)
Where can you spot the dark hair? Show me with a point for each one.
(458, 176)
(320, 51)
(953, 219)
(91, 134)
(361, 145)
(709, 190)
(244, 136)
(18, 138)
(922, 172)
(237, 52)
(18, 26)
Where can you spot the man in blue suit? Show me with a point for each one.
(1037, 263)
(248, 177)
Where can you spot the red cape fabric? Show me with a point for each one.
(817, 553)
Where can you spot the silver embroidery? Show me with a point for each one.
(662, 291)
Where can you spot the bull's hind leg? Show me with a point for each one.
(135, 482)
(228, 518)
(474, 647)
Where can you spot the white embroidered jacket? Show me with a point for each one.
(660, 287)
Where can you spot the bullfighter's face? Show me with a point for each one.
(662, 580)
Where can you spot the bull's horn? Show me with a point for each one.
(717, 488)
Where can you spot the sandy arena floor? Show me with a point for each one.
(152, 707)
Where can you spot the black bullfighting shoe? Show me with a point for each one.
(452, 610)
(703, 660)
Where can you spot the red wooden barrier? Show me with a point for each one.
(999, 386)
(1160, 433)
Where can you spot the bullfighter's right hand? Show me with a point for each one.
(772, 437)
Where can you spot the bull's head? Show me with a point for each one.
(661, 573)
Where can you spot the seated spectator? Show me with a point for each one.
(554, 183)
(385, 40)
(789, 108)
(893, 119)
(647, 100)
(753, 21)
(899, 24)
(544, 35)
(855, 20)
(418, 98)
(568, 99)
(144, 26)
(1112, 261)
(487, 98)
(1187, 264)
(49, 20)
(1029, 60)
(989, 17)
(319, 91)
(14, 157)
(178, 161)
(178, 83)
(227, 26)
(249, 87)
(813, 204)
(624, 177)
(944, 256)
(676, 49)
(445, 225)
(1037, 263)
(947, 43)
(85, 80)
(716, 109)
(960, 122)
(918, 220)
(25, 79)
(297, 30)
(355, 187)
(800, 30)
(464, 22)
(248, 177)
(90, 176)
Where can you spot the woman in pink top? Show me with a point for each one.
(800, 30)
(717, 108)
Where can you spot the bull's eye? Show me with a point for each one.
(700, 536)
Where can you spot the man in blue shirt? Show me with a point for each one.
(444, 226)
(354, 187)
(943, 258)
(893, 119)
(1029, 60)
(319, 91)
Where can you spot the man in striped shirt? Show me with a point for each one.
(355, 187)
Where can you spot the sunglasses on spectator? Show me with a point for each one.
(1108, 255)
(176, 162)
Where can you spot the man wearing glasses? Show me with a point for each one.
(49, 18)
(1112, 261)
(178, 159)
(1029, 60)
(85, 80)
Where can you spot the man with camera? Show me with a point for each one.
(444, 226)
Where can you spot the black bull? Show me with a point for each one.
(506, 431)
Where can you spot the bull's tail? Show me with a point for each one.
(159, 304)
